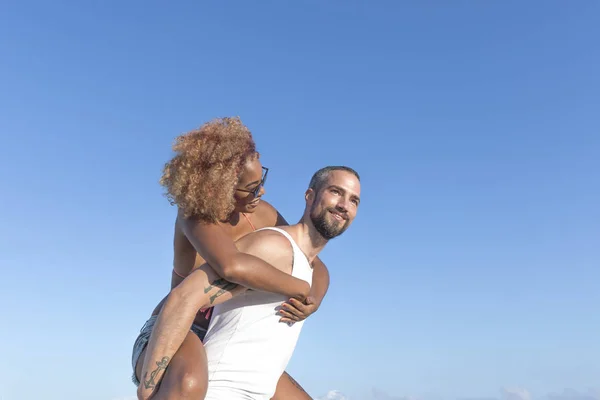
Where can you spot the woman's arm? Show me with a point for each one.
(220, 252)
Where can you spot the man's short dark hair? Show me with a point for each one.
(320, 177)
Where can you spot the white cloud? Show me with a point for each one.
(515, 394)
(375, 394)
(334, 395)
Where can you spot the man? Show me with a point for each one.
(246, 345)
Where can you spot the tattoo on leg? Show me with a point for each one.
(151, 383)
(223, 285)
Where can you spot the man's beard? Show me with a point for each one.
(328, 229)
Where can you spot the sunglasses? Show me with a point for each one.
(256, 190)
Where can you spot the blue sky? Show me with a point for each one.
(473, 263)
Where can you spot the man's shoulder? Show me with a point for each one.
(266, 243)
(265, 236)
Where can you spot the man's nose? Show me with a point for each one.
(342, 205)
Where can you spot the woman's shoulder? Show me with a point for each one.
(266, 215)
(196, 230)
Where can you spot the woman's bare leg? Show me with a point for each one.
(186, 377)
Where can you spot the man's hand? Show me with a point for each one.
(294, 310)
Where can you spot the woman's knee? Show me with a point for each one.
(187, 375)
(187, 384)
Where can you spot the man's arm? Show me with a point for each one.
(320, 280)
(202, 288)
(294, 310)
(231, 263)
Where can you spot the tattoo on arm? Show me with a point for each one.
(223, 285)
(151, 383)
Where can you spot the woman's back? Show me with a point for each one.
(185, 256)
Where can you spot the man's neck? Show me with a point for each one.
(308, 239)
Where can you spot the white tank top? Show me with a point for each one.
(247, 347)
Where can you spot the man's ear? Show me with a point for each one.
(309, 195)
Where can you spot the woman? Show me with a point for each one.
(216, 180)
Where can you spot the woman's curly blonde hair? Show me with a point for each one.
(201, 178)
